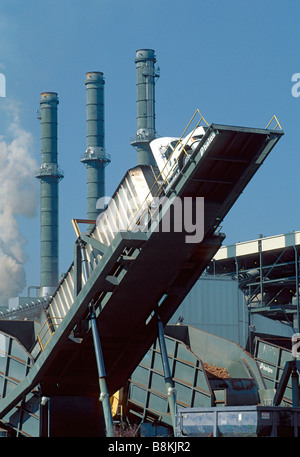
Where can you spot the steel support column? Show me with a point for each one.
(167, 372)
(260, 271)
(77, 269)
(295, 386)
(297, 287)
(104, 396)
(44, 417)
(291, 368)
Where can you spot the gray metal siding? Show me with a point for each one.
(216, 306)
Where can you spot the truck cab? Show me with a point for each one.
(171, 153)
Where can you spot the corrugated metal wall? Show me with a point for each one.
(216, 305)
(264, 325)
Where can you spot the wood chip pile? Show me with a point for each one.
(219, 372)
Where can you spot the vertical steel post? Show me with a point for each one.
(95, 157)
(84, 263)
(145, 76)
(167, 372)
(260, 270)
(297, 286)
(295, 386)
(45, 417)
(77, 269)
(104, 396)
(49, 175)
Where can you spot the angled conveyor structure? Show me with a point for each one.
(132, 275)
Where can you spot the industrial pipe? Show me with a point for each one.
(49, 175)
(95, 158)
(145, 76)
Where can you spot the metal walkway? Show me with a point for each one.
(132, 274)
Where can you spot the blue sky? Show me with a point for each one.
(232, 59)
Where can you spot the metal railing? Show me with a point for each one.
(95, 153)
(274, 118)
(47, 331)
(75, 223)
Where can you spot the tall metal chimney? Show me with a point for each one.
(49, 175)
(95, 157)
(145, 74)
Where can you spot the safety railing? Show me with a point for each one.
(75, 223)
(47, 330)
(274, 118)
(163, 177)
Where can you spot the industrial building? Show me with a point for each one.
(151, 331)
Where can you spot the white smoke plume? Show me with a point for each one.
(18, 197)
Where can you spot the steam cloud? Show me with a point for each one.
(18, 197)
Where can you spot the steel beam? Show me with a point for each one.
(104, 395)
(167, 372)
(291, 368)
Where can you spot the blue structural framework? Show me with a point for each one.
(124, 285)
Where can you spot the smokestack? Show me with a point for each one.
(49, 175)
(145, 75)
(95, 157)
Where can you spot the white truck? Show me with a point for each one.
(171, 153)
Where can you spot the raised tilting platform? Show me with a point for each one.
(133, 275)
